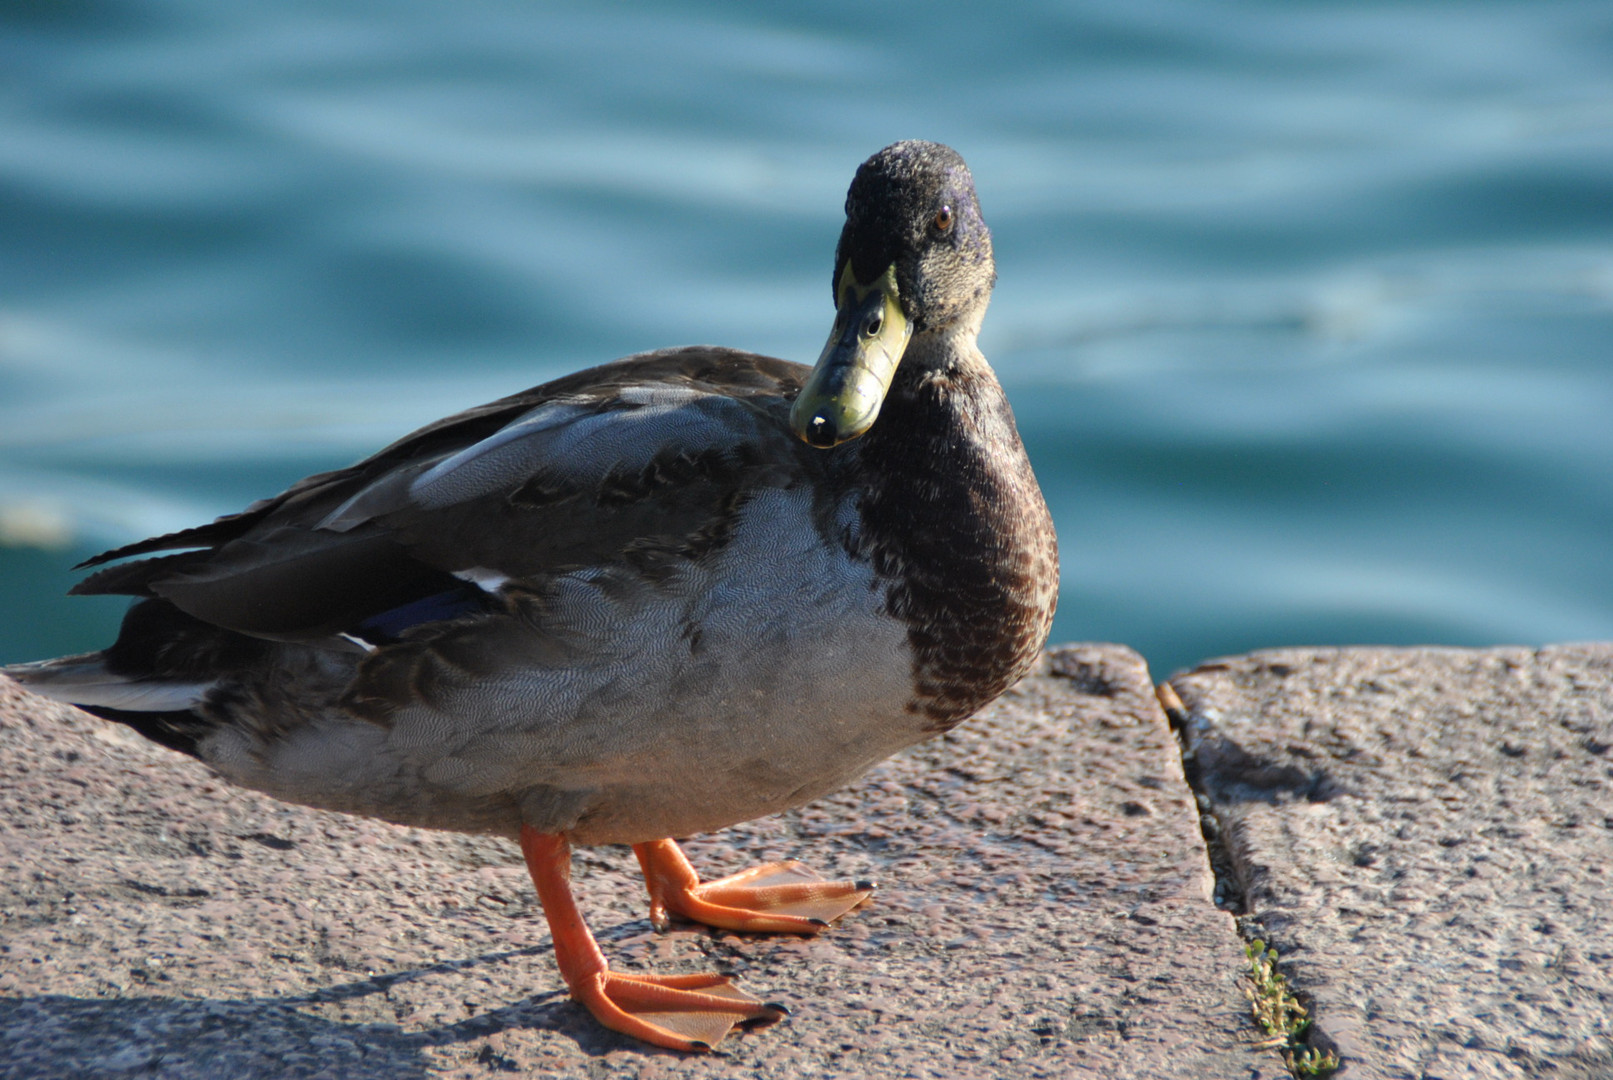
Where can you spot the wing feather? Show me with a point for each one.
(645, 454)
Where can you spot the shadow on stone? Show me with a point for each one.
(1250, 777)
(271, 1037)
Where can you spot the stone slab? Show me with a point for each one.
(1426, 835)
(1043, 913)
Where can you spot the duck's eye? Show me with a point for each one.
(943, 219)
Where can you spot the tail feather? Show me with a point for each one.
(160, 709)
(154, 678)
(176, 730)
(85, 680)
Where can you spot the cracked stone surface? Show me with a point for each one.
(1043, 912)
(1426, 835)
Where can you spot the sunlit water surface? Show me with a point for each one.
(1306, 310)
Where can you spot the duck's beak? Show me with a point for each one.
(842, 396)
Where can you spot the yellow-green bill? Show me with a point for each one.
(842, 396)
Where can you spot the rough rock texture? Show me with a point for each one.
(1426, 835)
(1043, 912)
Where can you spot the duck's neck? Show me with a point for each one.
(953, 516)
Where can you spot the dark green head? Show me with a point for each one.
(914, 258)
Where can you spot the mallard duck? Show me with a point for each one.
(651, 599)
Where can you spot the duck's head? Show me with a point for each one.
(914, 259)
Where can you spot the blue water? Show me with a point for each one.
(1306, 308)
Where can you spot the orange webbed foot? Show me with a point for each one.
(679, 1012)
(778, 898)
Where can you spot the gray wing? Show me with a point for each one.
(635, 460)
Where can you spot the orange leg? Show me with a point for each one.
(680, 1012)
(775, 898)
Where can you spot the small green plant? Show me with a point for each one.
(1281, 1016)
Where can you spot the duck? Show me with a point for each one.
(648, 600)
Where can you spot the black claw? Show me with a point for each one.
(696, 1044)
(782, 1010)
(819, 922)
(864, 885)
(767, 1019)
